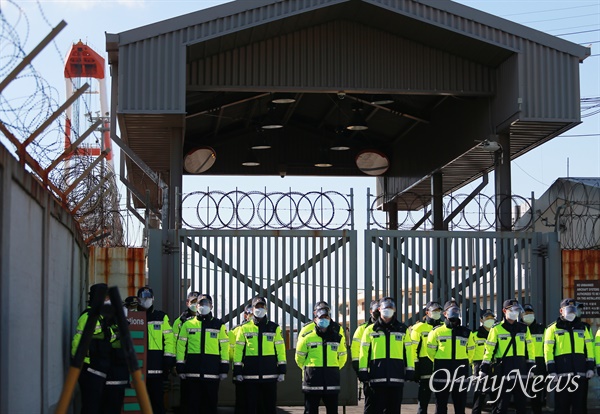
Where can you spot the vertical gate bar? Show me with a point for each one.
(261, 266)
(269, 268)
(465, 275)
(283, 271)
(334, 276)
(195, 272)
(387, 249)
(377, 274)
(509, 265)
(517, 241)
(426, 246)
(299, 281)
(340, 271)
(475, 274)
(408, 285)
(443, 275)
(307, 255)
(417, 261)
(274, 267)
(238, 293)
(185, 250)
(313, 280)
(368, 272)
(256, 261)
(292, 299)
(351, 276)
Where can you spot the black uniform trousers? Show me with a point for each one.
(516, 392)
(92, 391)
(154, 384)
(424, 396)
(459, 398)
(479, 396)
(261, 397)
(312, 400)
(567, 402)
(203, 396)
(369, 403)
(387, 399)
(240, 397)
(114, 396)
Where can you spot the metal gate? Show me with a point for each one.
(293, 269)
(478, 269)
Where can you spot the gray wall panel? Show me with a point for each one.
(341, 56)
(41, 246)
(25, 270)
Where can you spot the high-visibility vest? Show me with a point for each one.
(479, 337)
(520, 356)
(186, 315)
(321, 356)
(100, 346)
(568, 348)
(386, 353)
(203, 348)
(259, 351)
(309, 326)
(450, 343)
(161, 342)
(356, 338)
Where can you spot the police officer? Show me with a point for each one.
(424, 365)
(259, 359)
(450, 346)
(510, 346)
(240, 390)
(203, 357)
(309, 326)
(537, 335)
(160, 356)
(585, 381)
(321, 354)
(96, 364)
(569, 355)
(488, 319)
(355, 351)
(118, 374)
(386, 358)
(190, 312)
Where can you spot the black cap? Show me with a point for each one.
(321, 304)
(97, 288)
(568, 302)
(509, 303)
(486, 313)
(374, 305)
(387, 302)
(145, 289)
(204, 296)
(433, 305)
(258, 299)
(131, 301)
(193, 295)
(528, 307)
(322, 312)
(450, 304)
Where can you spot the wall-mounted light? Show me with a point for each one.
(199, 160)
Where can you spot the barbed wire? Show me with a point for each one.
(315, 210)
(27, 102)
(480, 214)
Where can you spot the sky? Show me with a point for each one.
(576, 153)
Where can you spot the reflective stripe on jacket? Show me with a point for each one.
(321, 356)
(568, 348)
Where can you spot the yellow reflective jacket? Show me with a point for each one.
(259, 351)
(203, 348)
(568, 348)
(321, 356)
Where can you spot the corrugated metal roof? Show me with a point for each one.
(218, 67)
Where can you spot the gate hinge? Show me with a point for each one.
(541, 250)
(169, 248)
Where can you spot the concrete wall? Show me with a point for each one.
(43, 268)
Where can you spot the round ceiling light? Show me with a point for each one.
(372, 162)
(199, 160)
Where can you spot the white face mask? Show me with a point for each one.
(529, 318)
(512, 315)
(260, 312)
(107, 302)
(204, 310)
(146, 303)
(125, 310)
(436, 315)
(387, 313)
(193, 307)
(488, 323)
(570, 317)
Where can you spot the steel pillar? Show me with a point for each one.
(503, 184)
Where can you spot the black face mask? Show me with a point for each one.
(452, 322)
